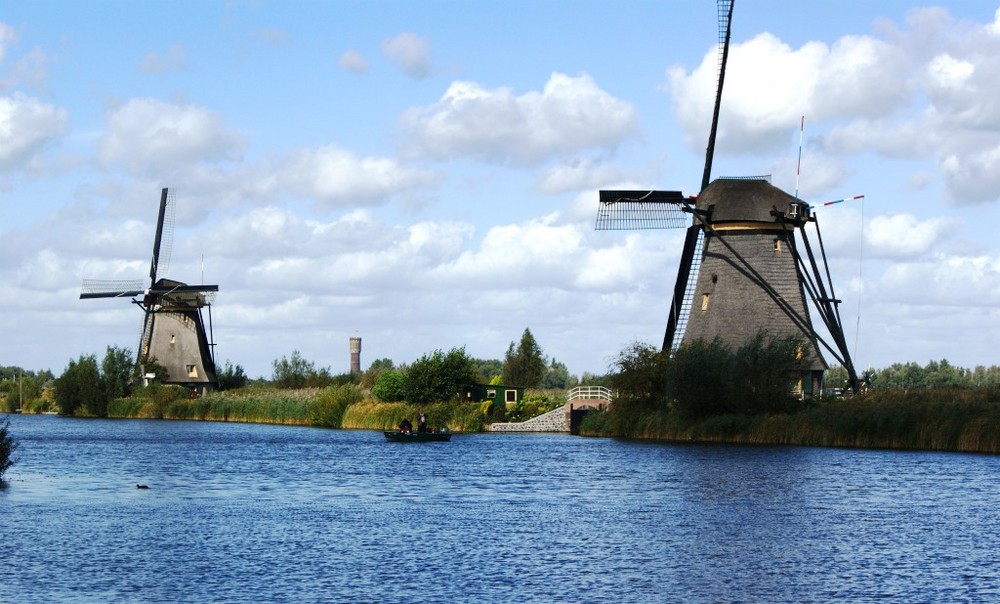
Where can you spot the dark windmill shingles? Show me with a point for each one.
(739, 305)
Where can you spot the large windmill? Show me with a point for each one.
(173, 330)
(747, 265)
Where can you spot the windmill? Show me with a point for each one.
(173, 330)
(747, 264)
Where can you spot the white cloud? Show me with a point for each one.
(147, 134)
(27, 126)
(994, 27)
(354, 61)
(336, 177)
(903, 237)
(570, 114)
(973, 177)
(410, 53)
(946, 71)
(769, 86)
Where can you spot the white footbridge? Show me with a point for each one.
(579, 401)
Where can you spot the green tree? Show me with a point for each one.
(557, 376)
(298, 372)
(763, 380)
(7, 447)
(117, 369)
(390, 386)
(79, 387)
(231, 377)
(487, 369)
(699, 378)
(640, 380)
(438, 376)
(525, 365)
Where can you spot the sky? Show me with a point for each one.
(424, 175)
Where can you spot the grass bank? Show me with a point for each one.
(946, 420)
(343, 406)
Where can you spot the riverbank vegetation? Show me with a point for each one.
(702, 393)
(708, 393)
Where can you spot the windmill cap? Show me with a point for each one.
(740, 199)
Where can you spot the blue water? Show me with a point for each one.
(241, 513)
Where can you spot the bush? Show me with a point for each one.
(331, 404)
(390, 386)
(7, 447)
(438, 376)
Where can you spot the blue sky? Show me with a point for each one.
(425, 175)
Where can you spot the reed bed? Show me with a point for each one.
(947, 420)
(343, 406)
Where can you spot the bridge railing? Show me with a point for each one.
(588, 392)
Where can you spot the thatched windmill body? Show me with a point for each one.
(174, 334)
(748, 266)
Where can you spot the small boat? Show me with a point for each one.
(396, 436)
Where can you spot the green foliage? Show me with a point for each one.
(700, 376)
(7, 447)
(438, 376)
(331, 404)
(390, 386)
(453, 415)
(641, 379)
(381, 365)
(231, 377)
(531, 405)
(297, 372)
(78, 389)
(557, 376)
(935, 374)
(487, 369)
(376, 369)
(117, 369)
(525, 365)
(702, 380)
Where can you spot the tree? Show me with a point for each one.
(231, 377)
(487, 369)
(438, 376)
(640, 380)
(298, 372)
(7, 447)
(117, 369)
(79, 387)
(390, 386)
(524, 366)
(557, 376)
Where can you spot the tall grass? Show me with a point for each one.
(343, 406)
(455, 416)
(945, 420)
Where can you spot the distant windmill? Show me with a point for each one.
(173, 331)
(742, 268)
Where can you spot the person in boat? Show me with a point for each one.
(422, 422)
(405, 426)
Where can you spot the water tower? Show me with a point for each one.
(355, 355)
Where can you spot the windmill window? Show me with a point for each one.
(173, 339)
(704, 301)
(777, 246)
(192, 371)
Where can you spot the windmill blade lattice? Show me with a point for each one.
(111, 288)
(629, 210)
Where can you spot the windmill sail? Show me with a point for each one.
(164, 231)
